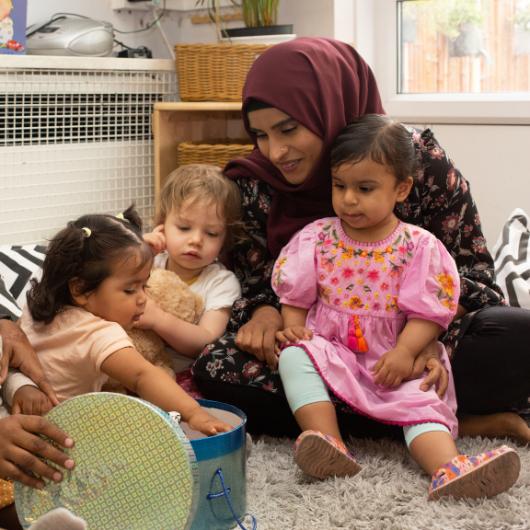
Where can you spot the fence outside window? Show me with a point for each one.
(463, 46)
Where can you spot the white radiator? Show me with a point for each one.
(75, 137)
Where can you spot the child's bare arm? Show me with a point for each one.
(396, 364)
(154, 385)
(294, 319)
(184, 337)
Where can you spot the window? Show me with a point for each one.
(407, 99)
(462, 46)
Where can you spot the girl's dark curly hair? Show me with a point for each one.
(85, 250)
(380, 139)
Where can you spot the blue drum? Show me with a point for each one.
(222, 476)
(136, 469)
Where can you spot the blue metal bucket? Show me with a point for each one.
(163, 480)
(222, 475)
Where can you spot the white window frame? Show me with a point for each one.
(376, 38)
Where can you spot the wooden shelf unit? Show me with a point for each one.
(190, 122)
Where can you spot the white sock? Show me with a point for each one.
(59, 518)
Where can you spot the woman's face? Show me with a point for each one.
(290, 146)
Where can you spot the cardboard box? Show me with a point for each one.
(13, 26)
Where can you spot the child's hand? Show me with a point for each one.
(156, 239)
(30, 400)
(392, 368)
(203, 421)
(293, 334)
(150, 316)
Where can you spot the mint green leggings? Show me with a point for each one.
(303, 385)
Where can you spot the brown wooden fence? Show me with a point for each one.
(502, 65)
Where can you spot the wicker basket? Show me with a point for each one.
(214, 72)
(217, 154)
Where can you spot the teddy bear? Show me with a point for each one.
(173, 296)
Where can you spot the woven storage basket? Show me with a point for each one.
(217, 154)
(214, 72)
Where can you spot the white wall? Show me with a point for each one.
(39, 10)
(493, 158)
(310, 18)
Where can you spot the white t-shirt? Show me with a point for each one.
(217, 286)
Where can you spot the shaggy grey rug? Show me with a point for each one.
(389, 493)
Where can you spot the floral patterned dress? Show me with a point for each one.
(359, 297)
(440, 201)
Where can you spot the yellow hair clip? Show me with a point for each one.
(86, 231)
(120, 216)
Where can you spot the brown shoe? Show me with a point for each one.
(321, 455)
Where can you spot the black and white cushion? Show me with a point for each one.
(512, 259)
(8, 305)
(18, 265)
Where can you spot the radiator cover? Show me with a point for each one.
(75, 137)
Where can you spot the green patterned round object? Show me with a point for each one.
(135, 468)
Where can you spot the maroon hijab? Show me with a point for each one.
(323, 84)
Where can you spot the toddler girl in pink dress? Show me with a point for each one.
(362, 295)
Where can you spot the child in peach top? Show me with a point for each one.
(92, 289)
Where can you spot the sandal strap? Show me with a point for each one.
(463, 464)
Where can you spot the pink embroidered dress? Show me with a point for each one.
(359, 297)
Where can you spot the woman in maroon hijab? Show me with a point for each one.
(297, 97)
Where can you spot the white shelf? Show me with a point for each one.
(173, 5)
(84, 63)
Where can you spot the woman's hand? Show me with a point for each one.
(22, 450)
(156, 239)
(258, 335)
(429, 360)
(202, 421)
(18, 353)
(30, 400)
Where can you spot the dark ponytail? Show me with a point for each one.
(135, 221)
(84, 250)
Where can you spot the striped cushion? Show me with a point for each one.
(18, 264)
(8, 305)
(512, 260)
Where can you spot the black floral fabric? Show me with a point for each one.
(440, 202)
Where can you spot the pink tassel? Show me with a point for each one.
(353, 344)
(356, 340)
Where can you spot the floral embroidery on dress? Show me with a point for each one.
(351, 273)
(446, 291)
(277, 272)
